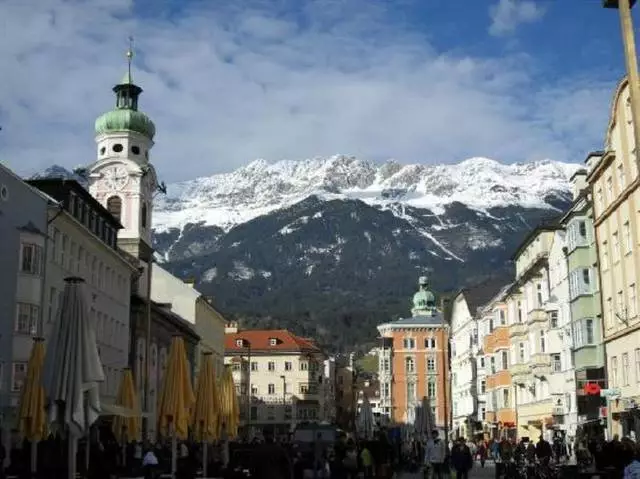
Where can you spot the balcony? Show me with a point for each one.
(540, 363)
(517, 329)
(519, 370)
(537, 315)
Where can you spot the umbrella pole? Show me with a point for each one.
(72, 450)
(205, 461)
(34, 457)
(174, 452)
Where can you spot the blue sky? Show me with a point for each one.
(424, 81)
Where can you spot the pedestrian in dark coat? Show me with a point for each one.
(461, 459)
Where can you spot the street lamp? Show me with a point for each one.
(247, 344)
(631, 61)
(284, 402)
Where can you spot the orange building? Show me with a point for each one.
(414, 360)
(500, 416)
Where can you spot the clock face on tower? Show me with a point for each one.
(116, 177)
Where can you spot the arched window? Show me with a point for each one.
(143, 214)
(114, 206)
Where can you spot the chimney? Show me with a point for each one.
(231, 327)
(189, 281)
(579, 182)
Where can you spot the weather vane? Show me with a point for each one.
(130, 54)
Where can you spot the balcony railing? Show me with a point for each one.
(519, 369)
(517, 329)
(537, 315)
(541, 363)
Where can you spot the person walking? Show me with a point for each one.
(461, 459)
(434, 455)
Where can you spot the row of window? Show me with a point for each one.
(410, 364)
(622, 311)
(91, 219)
(77, 260)
(410, 343)
(614, 249)
(606, 197)
(272, 366)
(303, 388)
(622, 376)
(269, 413)
(577, 234)
(412, 395)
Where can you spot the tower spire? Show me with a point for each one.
(129, 79)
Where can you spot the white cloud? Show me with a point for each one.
(507, 15)
(226, 86)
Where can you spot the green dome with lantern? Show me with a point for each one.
(125, 116)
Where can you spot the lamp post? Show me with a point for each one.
(284, 402)
(247, 344)
(631, 61)
(445, 381)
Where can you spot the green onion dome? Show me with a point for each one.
(125, 116)
(125, 120)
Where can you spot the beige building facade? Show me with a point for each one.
(613, 178)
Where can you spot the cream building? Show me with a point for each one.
(616, 203)
(187, 302)
(280, 378)
(82, 239)
(530, 335)
(469, 364)
(562, 379)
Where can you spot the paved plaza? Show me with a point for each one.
(488, 472)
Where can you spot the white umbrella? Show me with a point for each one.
(424, 421)
(365, 419)
(72, 369)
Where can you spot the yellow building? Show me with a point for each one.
(613, 178)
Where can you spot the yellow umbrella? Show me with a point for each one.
(32, 416)
(205, 411)
(229, 408)
(176, 398)
(127, 429)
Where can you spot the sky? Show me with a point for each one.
(419, 81)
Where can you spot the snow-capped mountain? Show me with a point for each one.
(331, 247)
(229, 199)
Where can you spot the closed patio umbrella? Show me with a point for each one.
(32, 415)
(176, 398)
(229, 407)
(365, 421)
(72, 369)
(127, 428)
(205, 411)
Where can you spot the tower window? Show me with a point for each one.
(135, 149)
(103, 150)
(117, 148)
(143, 215)
(114, 206)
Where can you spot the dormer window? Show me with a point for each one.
(239, 343)
(273, 341)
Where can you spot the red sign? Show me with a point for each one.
(592, 389)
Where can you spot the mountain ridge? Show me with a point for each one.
(332, 247)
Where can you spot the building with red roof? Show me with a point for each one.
(282, 379)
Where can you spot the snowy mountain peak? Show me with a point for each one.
(260, 187)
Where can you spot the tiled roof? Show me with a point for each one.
(260, 341)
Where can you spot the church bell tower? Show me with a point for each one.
(122, 178)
